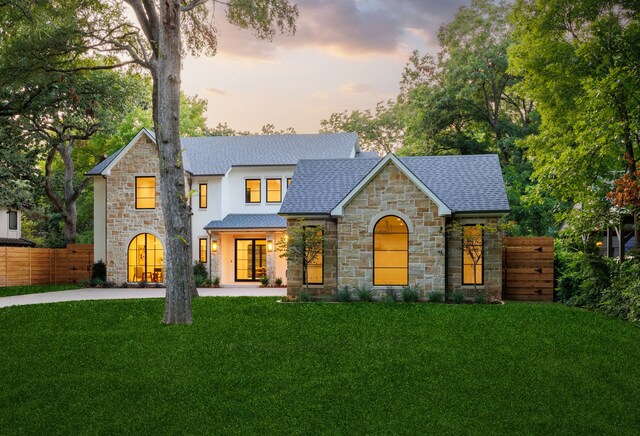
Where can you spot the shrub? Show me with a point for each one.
(435, 296)
(207, 283)
(480, 298)
(278, 281)
(390, 295)
(410, 294)
(199, 273)
(343, 294)
(264, 280)
(364, 293)
(96, 282)
(99, 271)
(304, 296)
(458, 297)
(216, 281)
(582, 277)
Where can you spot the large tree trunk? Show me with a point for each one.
(70, 213)
(179, 276)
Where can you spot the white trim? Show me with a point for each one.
(443, 209)
(377, 217)
(143, 131)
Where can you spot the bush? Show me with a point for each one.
(264, 280)
(216, 281)
(582, 277)
(343, 294)
(364, 293)
(458, 297)
(199, 273)
(410, 294)
(278, 281)
(435, 296)
(99, 272)
(304, 296)
(390, 295)
(480, 298)
(207, 283)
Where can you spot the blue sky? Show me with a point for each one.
(345, 55)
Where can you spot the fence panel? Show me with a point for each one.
(528, 269)
(21, 266)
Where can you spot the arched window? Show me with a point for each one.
(390, 252)
(145, 259)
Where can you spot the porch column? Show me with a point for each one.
(215, 248)
(271, 257)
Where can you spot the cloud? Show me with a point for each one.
(348, 28)
(356, 88)
(216, 92)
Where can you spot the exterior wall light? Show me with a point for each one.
(269, 246)
(214, 246)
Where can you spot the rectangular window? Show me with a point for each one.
(288, 182)
(203, 195)
(315, 268)
(252, 190)
(472, 256)
(145, 192)
(274, 190)
(203, 250)
(13, 220)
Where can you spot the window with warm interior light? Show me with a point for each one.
(203, 250)
(315, 268)
(274, 190)
(203, 195)
(145, 192)
(390, 252)
(13, 220)
(472, 256)
(288, 182)
(145, 262)
(252, 190)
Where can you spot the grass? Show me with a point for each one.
(252, 366)
(36, 289)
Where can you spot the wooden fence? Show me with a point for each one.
(528, 269)
(45, 266)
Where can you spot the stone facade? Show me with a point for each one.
(124, 221)
(492, 261)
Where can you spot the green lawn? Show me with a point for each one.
(252, 366)
(36, 289)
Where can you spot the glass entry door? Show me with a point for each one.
(251, 259)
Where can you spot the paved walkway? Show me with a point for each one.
(121, 294)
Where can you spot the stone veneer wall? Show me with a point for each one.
(392, 191)
(294, 271)
(124, 221)
(492, 261)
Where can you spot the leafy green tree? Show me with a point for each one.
(579, 60)
(302, 246)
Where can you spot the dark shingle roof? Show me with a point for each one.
(464, 183)
(98, 169)
(16, 242)
(215, 155)
(248, 221)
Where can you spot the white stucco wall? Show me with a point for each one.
(4, 226)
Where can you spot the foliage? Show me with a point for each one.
(390, 295)
(278, 281)
(435, 296)
(99, 271)
(304, 296)
(215, 282)
(343, 294)
(480, 298)
(199, 272)
(345, 352)
(264, 281)
(302, 245)
(410, 294)
(458, 297)
(364, 292)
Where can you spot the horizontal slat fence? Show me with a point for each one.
(45, 266)
(528, 269)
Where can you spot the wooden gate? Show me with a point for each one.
(527, 269)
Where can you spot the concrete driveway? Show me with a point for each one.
(123, 294)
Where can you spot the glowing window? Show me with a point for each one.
(203, 195)
(472, 271)
(390, 252)
(252, 190)
(145, 259)
(145, 192)
(288, 182)
(203, 250)
(315, 268)
(274, 190)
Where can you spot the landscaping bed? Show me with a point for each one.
(250, 366)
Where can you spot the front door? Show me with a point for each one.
(251, 259)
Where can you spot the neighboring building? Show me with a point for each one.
(11, 230)
(385, 222)
(239, 184)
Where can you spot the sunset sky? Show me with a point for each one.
(345, 55)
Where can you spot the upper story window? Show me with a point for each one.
(274, 190)
(472, 271)
(252, 190)
(13, 220)
(203, 195)
(145, 192)
(390, 252)
(288, 182)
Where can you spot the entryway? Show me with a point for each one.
(251, 259)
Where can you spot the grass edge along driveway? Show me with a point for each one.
(250, 365)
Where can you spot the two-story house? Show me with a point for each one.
(237, 183)
(11, 230)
